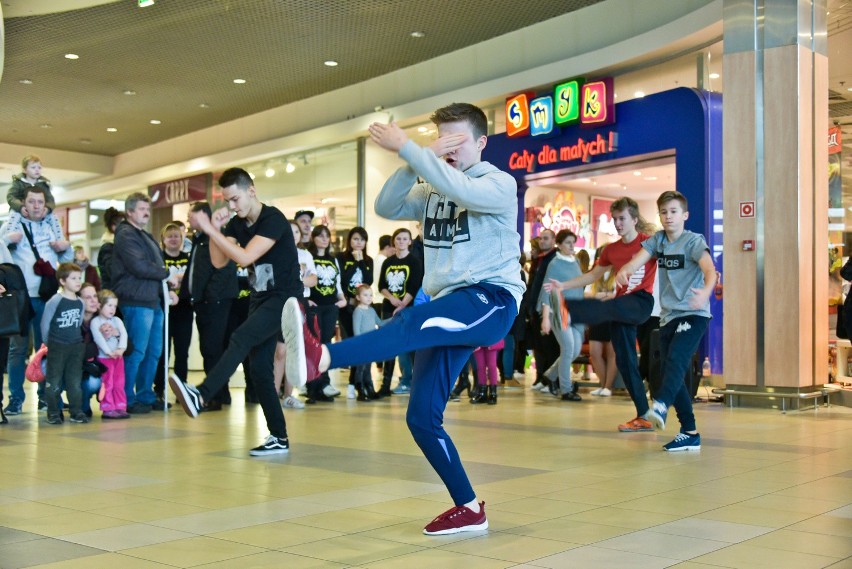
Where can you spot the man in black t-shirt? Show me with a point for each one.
(259, 238)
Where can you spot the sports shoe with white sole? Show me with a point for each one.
(187, 395)
(291, 402)
(657, 414)
(458, 519)
(272, 445)
(684, 442)
(293, 330)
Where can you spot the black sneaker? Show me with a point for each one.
(138, 408)
(272, 445)
(160, 405)
(42, 404)
(54, 419)
(187, 395)
(79, 418)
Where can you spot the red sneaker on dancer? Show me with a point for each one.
(458, 519)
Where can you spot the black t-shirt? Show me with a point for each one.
(400, 276)
(277, 270)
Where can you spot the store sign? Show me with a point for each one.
(574, 101)
(193, 188)
(835, 145)
(583, 151)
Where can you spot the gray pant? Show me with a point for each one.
(64, 372)
(570, 342)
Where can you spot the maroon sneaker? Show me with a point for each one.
(458, 519)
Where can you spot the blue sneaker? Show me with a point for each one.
(657, 414)
(13, 408)
(684, 441)
(401, 390)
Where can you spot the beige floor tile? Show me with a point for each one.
(805, 542)
(71, 522)
(438, 558)
(148, 510)
(620, 517)
(105, 561)
(569, 531)
(276, 535)
(712, 529)
(739, 513)
(349, 521)
(274, 560)
(508, 547)
(824, 524)
(125, 537)
(746, 556)
(353, 549)
(192, 551)
(649, 542)
(602, 558)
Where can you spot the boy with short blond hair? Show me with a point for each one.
(61, 329)
(687, 277)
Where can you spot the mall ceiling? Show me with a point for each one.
(176, 61)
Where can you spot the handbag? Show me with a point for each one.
(35, 370)
(49, 283)
(10, 317)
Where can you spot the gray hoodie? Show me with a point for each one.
(469, 221)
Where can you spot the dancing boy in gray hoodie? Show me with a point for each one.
(468, 210)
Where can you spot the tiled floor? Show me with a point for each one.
(562, 487)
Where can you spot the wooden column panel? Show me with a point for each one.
(739, 268)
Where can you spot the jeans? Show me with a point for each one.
(64, 372)
(145, 329)
(90, 386)
(507, 359)
(19, 347)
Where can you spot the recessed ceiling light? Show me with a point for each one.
(239, 81)
(25, 82)
(330, 63)
(112, 129)
(418, 34)
(650, 178)
(72, 56)
(129, 92)
(714, 76)
(637, 173)
(146, 3)
(204, 106)
(155, 121)
(290, 167)
(422, 129)
(270, 172)
(639, 94)
(45, 125)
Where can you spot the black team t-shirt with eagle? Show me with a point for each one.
(400, 276)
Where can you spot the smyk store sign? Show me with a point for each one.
(575, 101)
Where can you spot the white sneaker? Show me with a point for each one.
(596, 391)
(330, 391)
(544, 388)
(605, 392)
(350, 392)
(291, 402)
(518, 375)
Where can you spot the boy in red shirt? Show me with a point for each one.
(629, 306)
